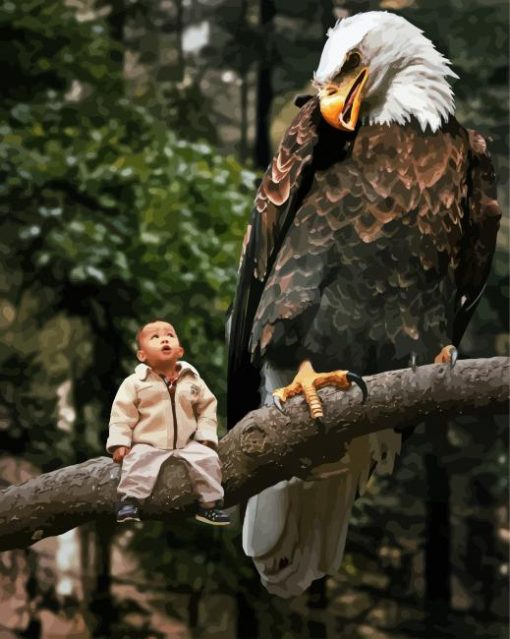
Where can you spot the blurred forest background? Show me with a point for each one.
(132, 136)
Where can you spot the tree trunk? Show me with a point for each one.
(87, 537)
(438, 570)
(97, 544)
(247, 626)
(33, 630)
(358, 6)
(101, 608)
(179, 28)
(193, 611)
(317, 601)
(327, 15)
(264, 87)
(243, 124)
(116, 20)
(481, 561)
(243, 94)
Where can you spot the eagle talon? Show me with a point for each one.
(448, 355)
(307, 382)
(359, 381)
(319, 423)
(278, 403)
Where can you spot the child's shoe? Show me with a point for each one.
(213, 516)
(127, 511)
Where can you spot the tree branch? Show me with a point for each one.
(264, 448)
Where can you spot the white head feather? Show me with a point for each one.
(407, 75)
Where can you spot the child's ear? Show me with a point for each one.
(182, 351)
(141, 356)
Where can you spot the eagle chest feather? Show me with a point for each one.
(369, 257)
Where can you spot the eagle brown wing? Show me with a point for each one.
(481, 224)
(369, 249)
(276, 202)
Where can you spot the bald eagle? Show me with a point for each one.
(369, 246)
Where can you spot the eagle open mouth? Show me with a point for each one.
(340, 102)
(355, 90)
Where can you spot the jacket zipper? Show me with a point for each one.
(170, 386)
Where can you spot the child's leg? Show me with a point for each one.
(140, 470)
(205, 472)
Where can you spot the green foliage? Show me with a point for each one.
(160, 218)
(43, 46)
(113, 218)
(193, 211)
(183, 110)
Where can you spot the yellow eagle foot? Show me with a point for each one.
(307, 381)
(448, 355)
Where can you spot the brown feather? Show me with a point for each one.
(480, 227)
(359, 244)
(274, 209)
(373, 196)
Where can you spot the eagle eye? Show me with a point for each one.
(353, 61)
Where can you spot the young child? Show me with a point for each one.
(164, 409)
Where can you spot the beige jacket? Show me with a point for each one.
(146, 411)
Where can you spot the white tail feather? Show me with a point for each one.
(296, 531)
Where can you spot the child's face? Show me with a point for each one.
(159, 345)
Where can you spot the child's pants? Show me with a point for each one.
(140, 470)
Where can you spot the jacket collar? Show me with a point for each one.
(142, 370)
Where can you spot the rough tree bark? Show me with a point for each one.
(264, 448)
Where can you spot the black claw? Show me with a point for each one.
(278, 404)
(318, 422)
(359, 381)
(454, 357)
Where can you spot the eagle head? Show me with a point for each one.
(380, 68)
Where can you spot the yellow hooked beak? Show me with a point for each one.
(340, 102)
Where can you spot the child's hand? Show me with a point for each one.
(119, 453)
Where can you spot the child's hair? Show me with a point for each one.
(140, 330)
